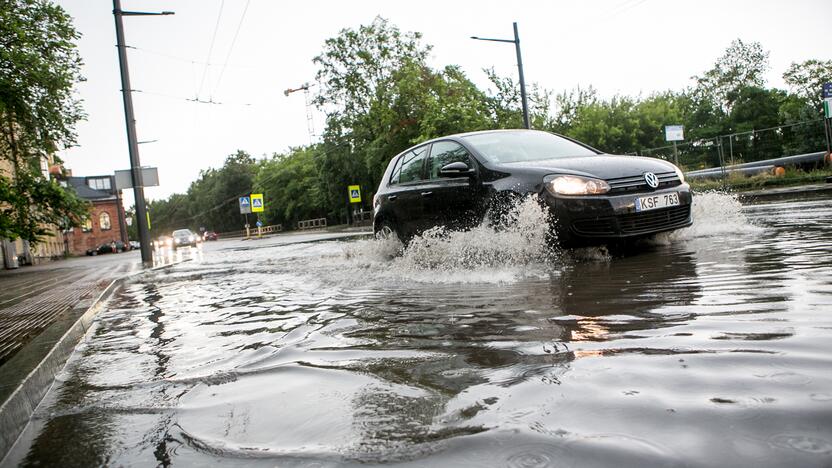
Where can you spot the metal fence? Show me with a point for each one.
(744, 147)
(312, 223)
(271, 229)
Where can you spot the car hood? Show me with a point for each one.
(604, 166)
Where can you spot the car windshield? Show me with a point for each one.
(508, 147)
(182, 233)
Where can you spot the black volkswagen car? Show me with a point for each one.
(594, 198)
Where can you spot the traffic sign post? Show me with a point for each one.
(355, 193)
(826, 94)
(245, 205)
(245, 209)
(257, 204)
(674, 133)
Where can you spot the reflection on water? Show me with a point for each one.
(704, 348)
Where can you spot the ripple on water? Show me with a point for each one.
(479, 348)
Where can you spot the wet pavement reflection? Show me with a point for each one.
(709, 347)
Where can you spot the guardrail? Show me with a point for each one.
(271, 229)
(767, 165)
(312, 223)
(362, 218)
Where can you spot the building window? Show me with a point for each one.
(104, 221)
(87, 226)
(100, 183)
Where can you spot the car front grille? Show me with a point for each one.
(650, 221)
(637, 183)
(633, 223)
(594, 227)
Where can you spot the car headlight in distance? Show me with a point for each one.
(191, 239)
(575, 185)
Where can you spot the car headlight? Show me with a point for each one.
(575, 185)
(170, 242)
(680, 174)
(191, 238)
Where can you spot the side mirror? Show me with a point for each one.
(456, 169)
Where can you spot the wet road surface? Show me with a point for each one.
(709, 347)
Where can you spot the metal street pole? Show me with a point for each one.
(522, 81)
(524, 101)
(132, 141)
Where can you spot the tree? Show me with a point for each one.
(39, 66)
(292, 182)
(741, 65)
(805, 80)
(212, 199)
(507, 108)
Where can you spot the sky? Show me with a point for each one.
(242, 55)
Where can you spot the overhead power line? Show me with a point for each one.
(194, 100)
(231, 48)
(210, 49)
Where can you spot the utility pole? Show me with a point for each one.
(523, 99)
(310, 123)
(132, 141)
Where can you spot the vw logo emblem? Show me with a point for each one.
(651, 179)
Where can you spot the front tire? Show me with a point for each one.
(387, 230)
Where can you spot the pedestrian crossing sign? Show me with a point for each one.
(257, 202)
(355, 193)
(245, 205)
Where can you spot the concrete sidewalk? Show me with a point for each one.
(39, 304)
(33, 298)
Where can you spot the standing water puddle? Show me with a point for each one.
(708, 347)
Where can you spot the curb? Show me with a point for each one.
(785, 192)
(19, 407)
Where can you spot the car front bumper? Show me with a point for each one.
(599, 218)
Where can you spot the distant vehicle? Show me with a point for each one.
(594, 198)
(108, 247)
(183, 237)
(162, 242)
(135, 244)
(210, 236)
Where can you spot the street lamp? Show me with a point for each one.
(132, 140)
(516, 43)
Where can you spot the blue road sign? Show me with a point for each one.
(827, 90)
(259, 224)
(245, 205)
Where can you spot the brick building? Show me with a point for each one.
(106, 222)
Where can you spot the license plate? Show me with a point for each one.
(653, 202)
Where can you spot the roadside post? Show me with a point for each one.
(245, 209)
(354, 192)
(259, 228)
(130, 121)
(257, 206)
(674, 133)
(827, 114)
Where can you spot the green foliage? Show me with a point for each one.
(292, 184)
(39, 66)
(742, 65)
(805, 80)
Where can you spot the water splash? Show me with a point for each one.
(521, 247)
(715, 213)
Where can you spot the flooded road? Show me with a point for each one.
(709, 347)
